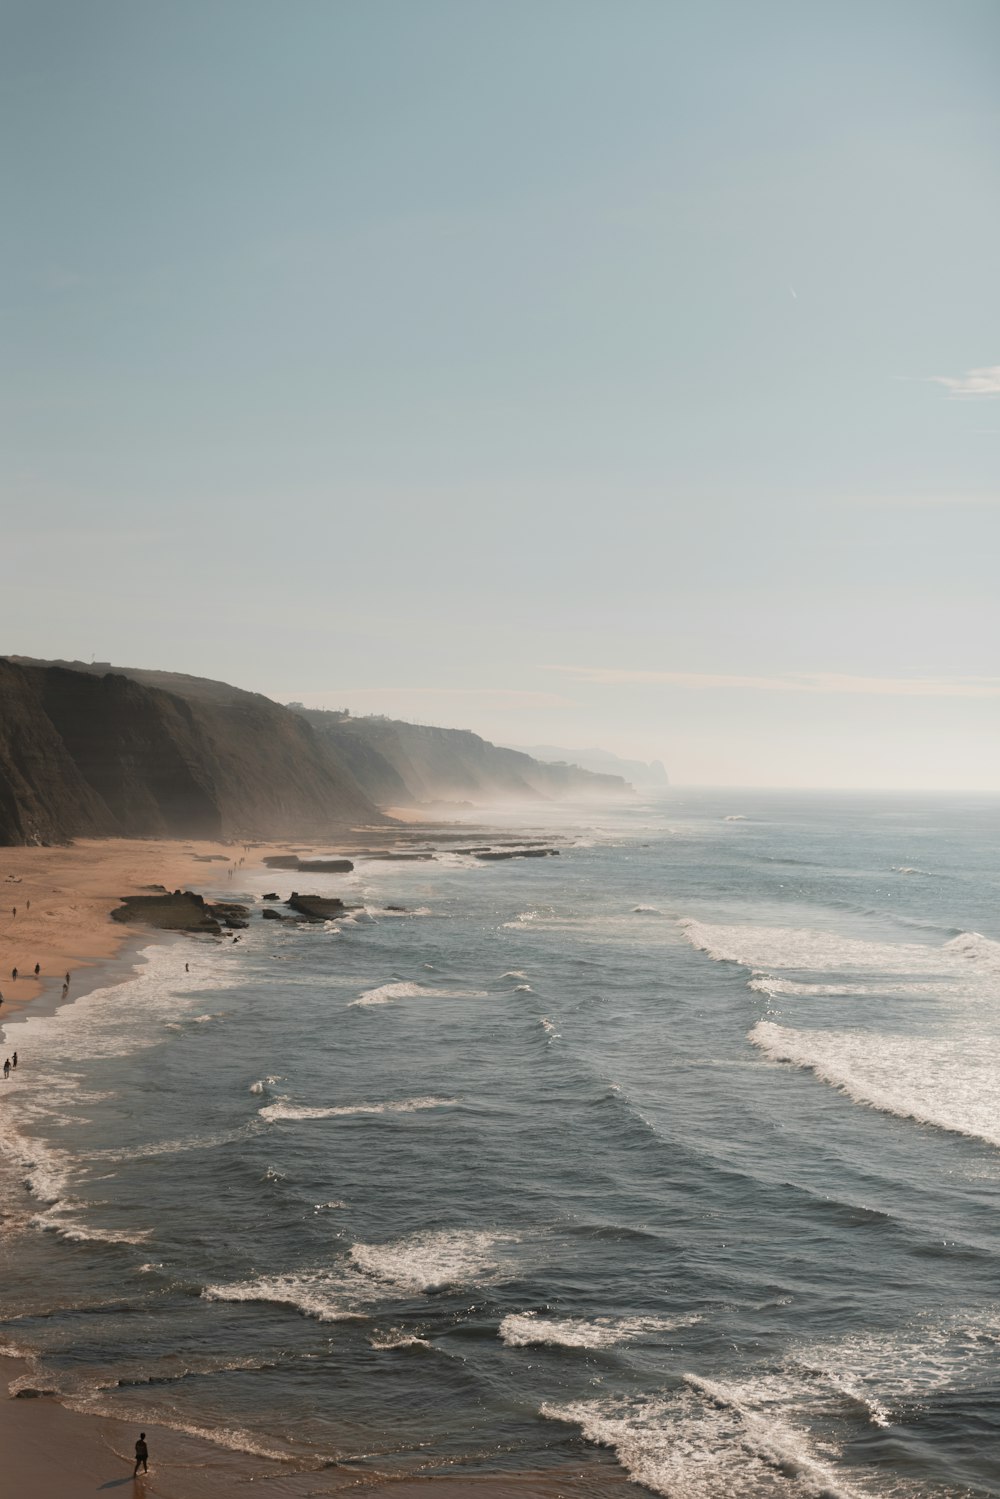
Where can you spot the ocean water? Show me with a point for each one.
(683, 1147)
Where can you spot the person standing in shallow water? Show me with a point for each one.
(141, 1455)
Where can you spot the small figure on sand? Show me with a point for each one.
(13, 973)
(38, 969)
(6, 1069)
(13, 1061)
(141, 1454)
(67, 980)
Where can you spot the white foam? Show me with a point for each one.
(970, 959)
(282, 1109)
(68, 1228)
(526, 1329)
(390, 993)
(950, 1082)
(763, 983)
(886, 1371)
(548, 1026)
(430, 1261)
(523, 989)
(513, 973)
(397, 1337)
(709, 1441)
(120, 1018)
(328, 1296)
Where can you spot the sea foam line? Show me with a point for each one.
(403, 989)
(282, 1109)
(949, 1083)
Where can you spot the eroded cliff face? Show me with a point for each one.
(399, 763)
(101, 751)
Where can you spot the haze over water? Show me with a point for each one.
(684, 1142)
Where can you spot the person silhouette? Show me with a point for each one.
(141, 1454)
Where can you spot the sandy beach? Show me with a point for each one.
(56, 903)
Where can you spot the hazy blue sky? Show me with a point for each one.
(575, 372)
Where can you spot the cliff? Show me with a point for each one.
(400, 763)
(102, 751)
(644, 774)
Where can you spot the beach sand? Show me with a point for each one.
(46, 1450)
(64, 896)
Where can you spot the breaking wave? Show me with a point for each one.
(527, 1329)
(389, 993)
(432, 1261)
(949, 1083)
(282, 1109)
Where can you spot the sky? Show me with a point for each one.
(620, 373)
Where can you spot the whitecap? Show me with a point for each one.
(947, 1082)
(712, 1441)
(324, 1295)
(526, 1329)
(396, 1337)
(401, 989)
(282, 1109)
(431, 1261)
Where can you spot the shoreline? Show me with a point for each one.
(51, 1449)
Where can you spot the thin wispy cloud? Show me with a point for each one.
(979, 382)
(813, 682)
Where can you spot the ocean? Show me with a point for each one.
(680, 1149)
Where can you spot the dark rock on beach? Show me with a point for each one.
(183, 911)
(325, 866)
(309, 866)
(519, 853)
(270, 914)
(316, 907)
(393, 854)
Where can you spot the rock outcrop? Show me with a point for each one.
(182, 911)
(316, 907)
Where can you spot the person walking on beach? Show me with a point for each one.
(38, 969)
(13, 1061)
(13, 973)
(141, 1454)
(6, 1069)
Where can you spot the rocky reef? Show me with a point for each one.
(181, 911)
